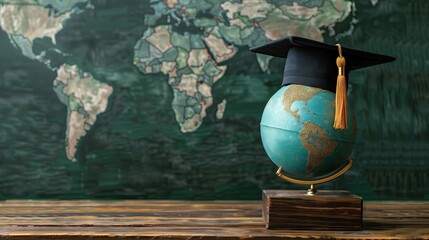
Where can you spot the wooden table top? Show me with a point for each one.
(190, 220)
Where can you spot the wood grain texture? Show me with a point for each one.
(328, 210)
(190, 220)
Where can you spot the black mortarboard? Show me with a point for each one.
(312, 63)
(320, 65)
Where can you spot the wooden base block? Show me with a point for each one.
(328, 210)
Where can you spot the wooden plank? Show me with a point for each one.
(180, 232)
(190, 220)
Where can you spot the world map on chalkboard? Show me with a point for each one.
(162, 98)
(192, 59)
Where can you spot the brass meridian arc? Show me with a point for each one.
(312, 190)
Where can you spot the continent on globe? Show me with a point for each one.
(191, 60)
(314, 139)
(85, 98)
(297, 93)
(317, 143)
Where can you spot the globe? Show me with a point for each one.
(298, 135)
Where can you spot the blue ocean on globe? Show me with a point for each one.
(298, 135)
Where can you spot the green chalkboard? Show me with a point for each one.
(107, 99)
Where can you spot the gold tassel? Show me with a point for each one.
(340, 121)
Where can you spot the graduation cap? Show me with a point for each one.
(321, 65)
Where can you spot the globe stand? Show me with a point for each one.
(313, 210)
(312, 190)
